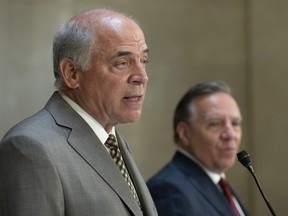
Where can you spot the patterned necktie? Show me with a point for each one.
(115, 153)
(228, 193)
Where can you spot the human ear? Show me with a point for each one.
(69, 72)
(183, 133)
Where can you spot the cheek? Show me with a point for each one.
(208, 139)
(204, 142)
(238, 137)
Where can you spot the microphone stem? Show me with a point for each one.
(250, 168)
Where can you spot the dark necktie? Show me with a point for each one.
(228, 193)
(115, 153)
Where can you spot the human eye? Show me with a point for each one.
(214, 123)
(121, 64)
(144, 61)
(236, 123)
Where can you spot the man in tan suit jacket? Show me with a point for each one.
(55, 162)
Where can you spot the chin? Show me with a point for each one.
(135, 116)
(130, 119)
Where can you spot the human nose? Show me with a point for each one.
(138, 75)
(228, 132)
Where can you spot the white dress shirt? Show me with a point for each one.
(93, 123)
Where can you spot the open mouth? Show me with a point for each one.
(133, 98)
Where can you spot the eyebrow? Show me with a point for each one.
(209, 118)
(126, 53)
(146, 50)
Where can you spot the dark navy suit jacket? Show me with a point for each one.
(183, 188)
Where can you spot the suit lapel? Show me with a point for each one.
(147, 203)
(202, 182)
(89, 147)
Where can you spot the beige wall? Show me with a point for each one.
(241, 42)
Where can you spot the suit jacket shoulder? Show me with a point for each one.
(55, 165)
(183, 188)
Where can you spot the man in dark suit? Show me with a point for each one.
(207, 131)
(58, 161)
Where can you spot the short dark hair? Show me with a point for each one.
(183, 112)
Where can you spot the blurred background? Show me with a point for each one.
(244, 43)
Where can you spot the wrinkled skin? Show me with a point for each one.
(214, 135)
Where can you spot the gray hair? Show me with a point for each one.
(75, 40)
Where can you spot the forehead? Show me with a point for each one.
(216, 105)
(120, 31)
(122, 37)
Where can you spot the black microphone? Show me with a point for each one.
(244, 159)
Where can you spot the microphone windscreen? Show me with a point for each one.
(244, 158)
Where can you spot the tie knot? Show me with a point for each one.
(111, 142)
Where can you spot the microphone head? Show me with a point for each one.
(244, 158)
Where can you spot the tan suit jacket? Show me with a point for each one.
(53, 164)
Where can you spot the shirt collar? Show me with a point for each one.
(92, 122)
(215, 177)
